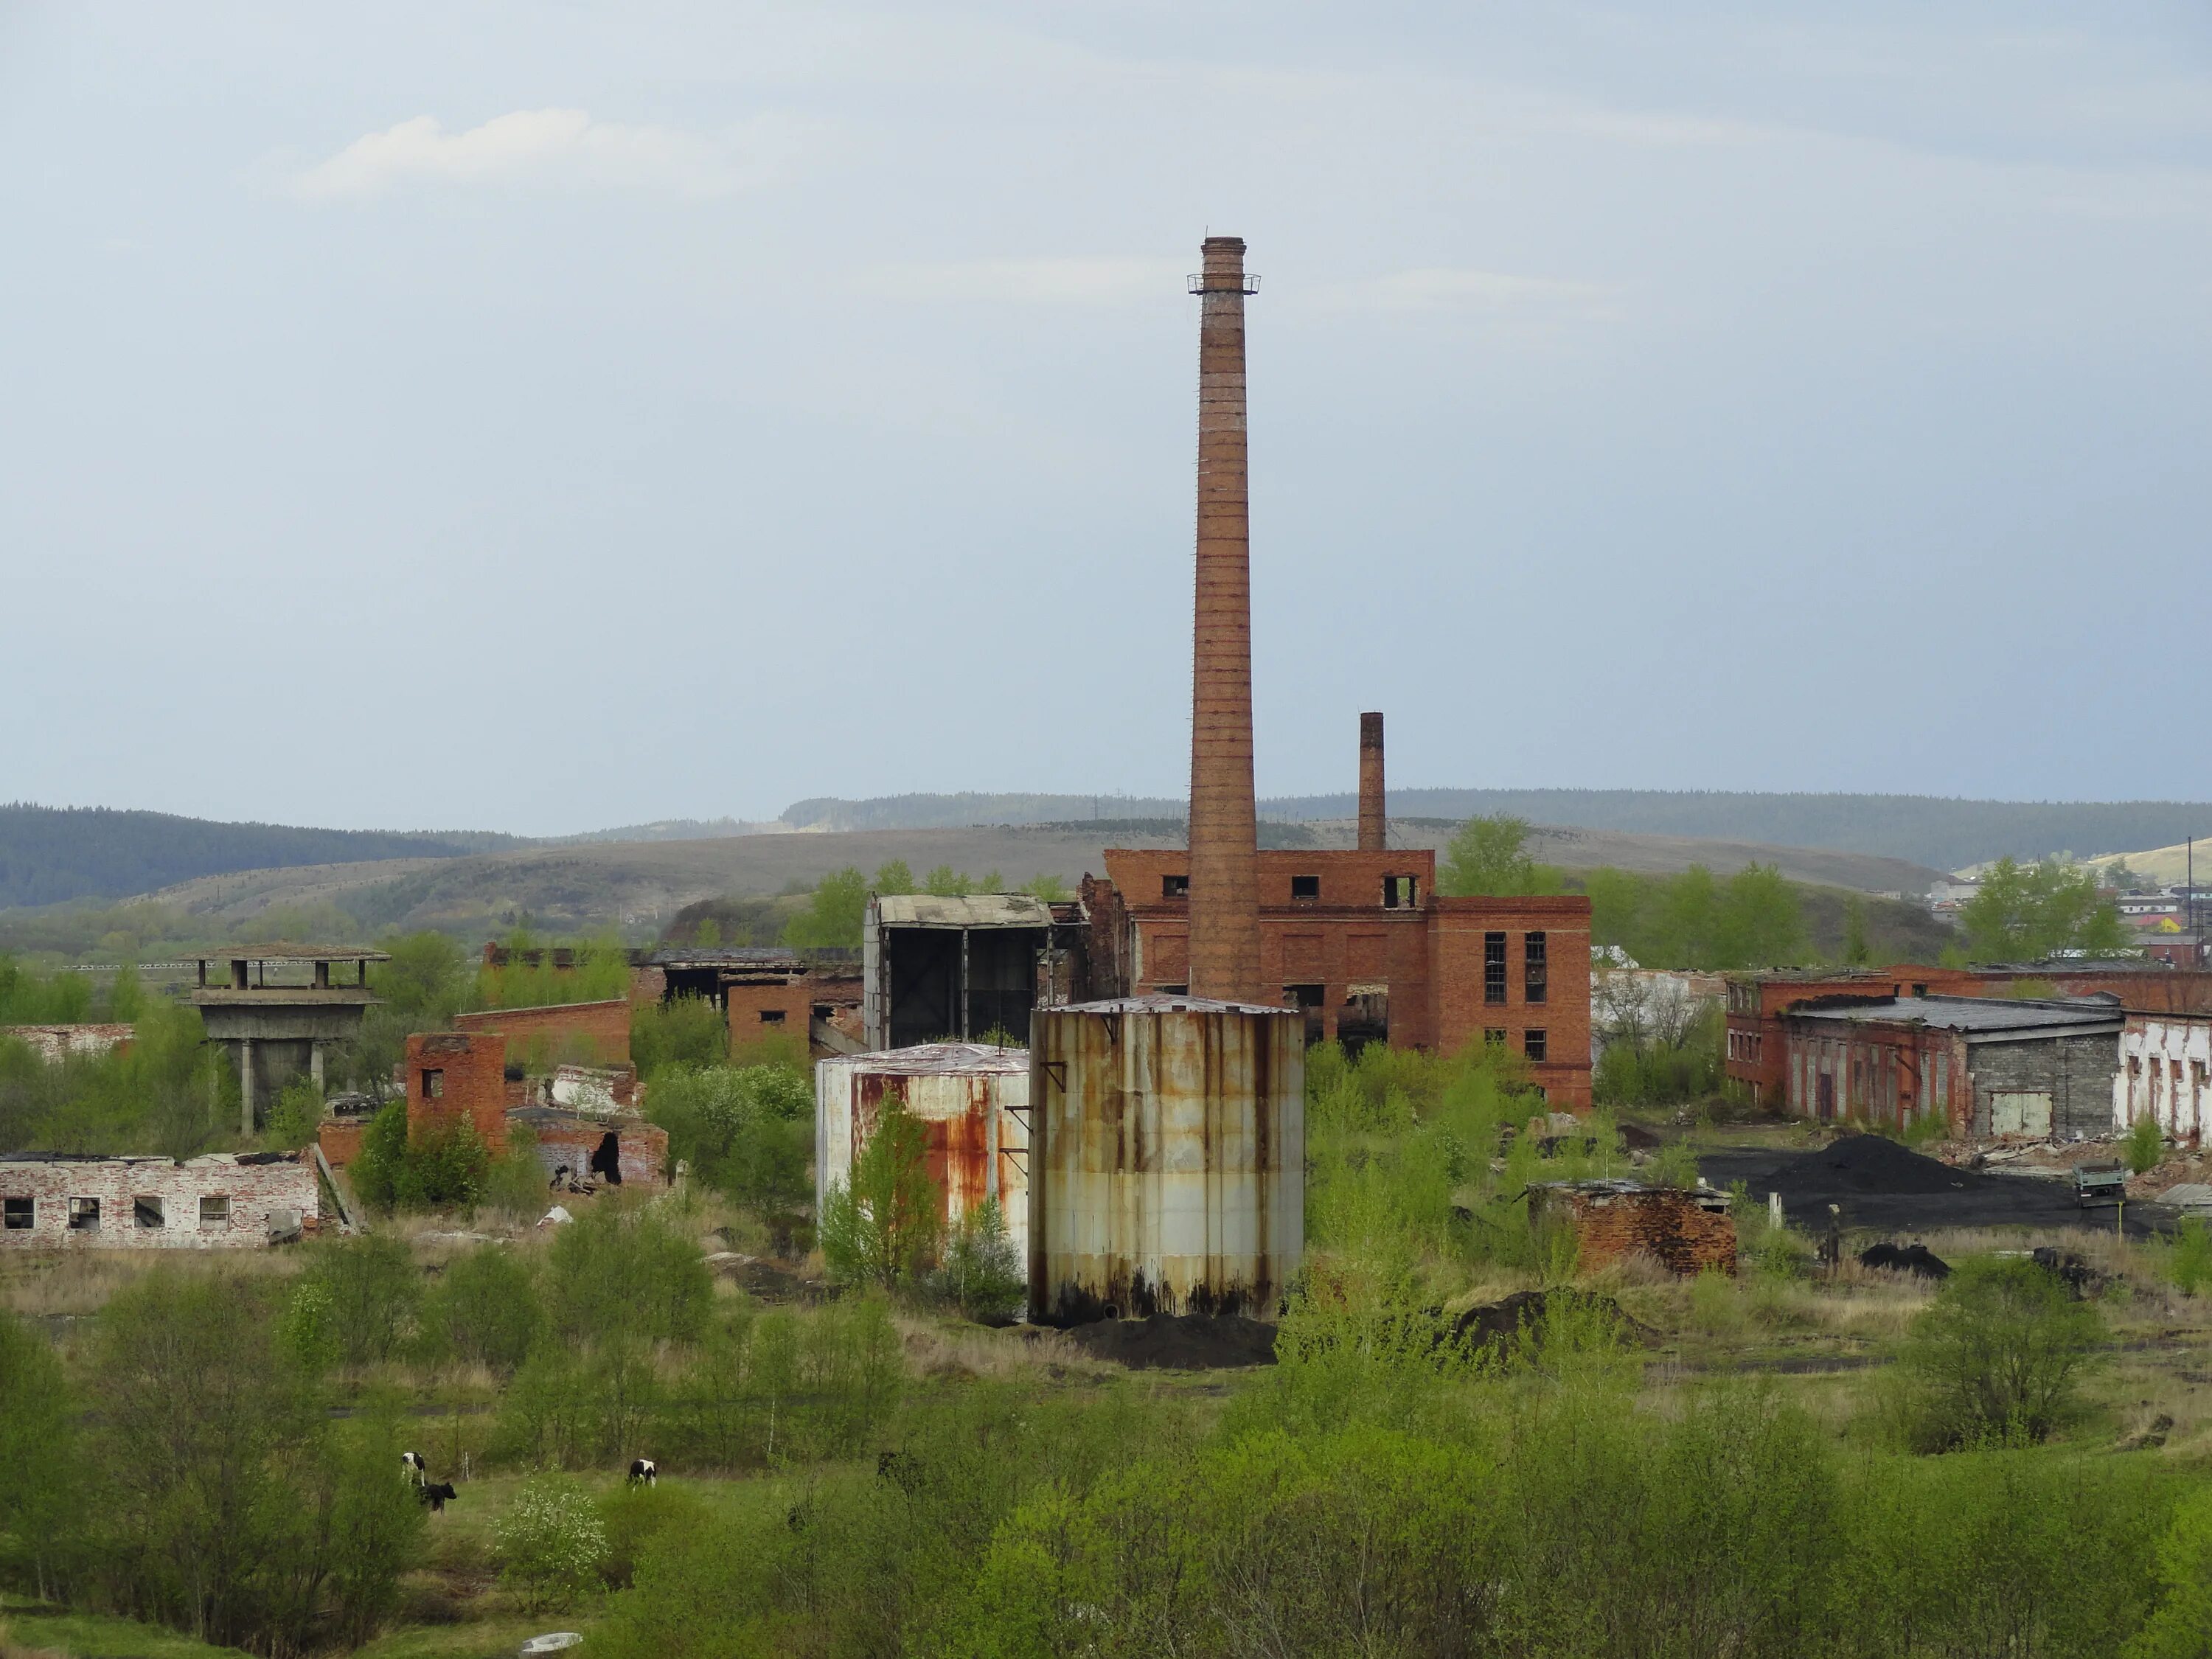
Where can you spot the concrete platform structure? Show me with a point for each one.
(276, 1008)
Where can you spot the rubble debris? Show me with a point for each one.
(1915, 1258)
(1686, 1230)
(1179, 1342)
(2073, 1270)
(556, 1217)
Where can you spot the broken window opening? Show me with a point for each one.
(1308, 999)
(1305, 887)
(1400, 892)
(146, 1211)
(1493, 969)
(606, 1161)
(1175, 887)
(771, 1016)
(84, 1215)
(1535, 968)
(1494, 1037)
(214, 1210)
(433, 1083)
(1534, 1042)
(21, 1214)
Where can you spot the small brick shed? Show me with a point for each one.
(1687, 1230)
(54, 1201)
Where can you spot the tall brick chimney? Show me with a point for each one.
(1224, 841)
(1374, 827)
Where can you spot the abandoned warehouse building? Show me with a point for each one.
(60, 1200)
(1985, 1068)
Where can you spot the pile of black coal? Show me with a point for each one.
(1868, 1163)
(1915, 1258)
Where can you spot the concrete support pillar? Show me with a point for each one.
(1224, 844)
(1374, 826)
(245, 1087)
(315, 1063)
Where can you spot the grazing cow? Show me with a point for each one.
(411, 1466)
(438, 1496)
(642, 1471)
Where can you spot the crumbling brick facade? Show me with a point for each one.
(764, 1010)
(1688, 1231)
(54, 1043)
(218, 1202)
(1361, 942)
(458, 1076)
(589, 1033)
(568, 1140)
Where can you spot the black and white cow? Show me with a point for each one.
(643, 1473)
(438, 1496)
(411, 1468)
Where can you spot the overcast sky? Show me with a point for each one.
(545, 416)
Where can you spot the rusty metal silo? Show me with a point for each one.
(973, 1103)
(1166, 1157)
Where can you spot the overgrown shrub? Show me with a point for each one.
(746, 1131)
(625, 1270)
(2191, 1262)
(2145, 1144)
(551, 1543)
(682, 1031)
(1995, 1359)
(443, 1167)
(486, 1309)
(881, 1227)
(982, 1274)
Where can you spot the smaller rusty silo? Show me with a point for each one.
(1166, 1158)
(973, 1101)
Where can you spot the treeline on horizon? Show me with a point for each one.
(51, 854)
(1938, 831)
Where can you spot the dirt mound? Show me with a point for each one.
(1178, 1342)
(1868, 1163)
(1497, 1323)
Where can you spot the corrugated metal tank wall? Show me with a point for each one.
(1167, 1158)
(973, 1104)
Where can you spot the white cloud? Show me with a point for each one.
(555, 148)
(1100, 281)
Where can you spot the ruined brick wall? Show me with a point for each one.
(1886, 1075)
(54, 1044)
(340, 1141)
(1665, 1225)
(247, 1192)
(1757, 1041)
(2182, 991)
(761, 1011)
(1459, 929)
(542, 1037)
(459, 1075)
(1342, 938)
(570, 1141)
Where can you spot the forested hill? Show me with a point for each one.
(1927, 830)
(49, 854)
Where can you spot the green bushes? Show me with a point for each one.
(683, 1031)
(880, 1229)
(443, 1167)
(746, 1131)
(486, 1311)
(2191, 1263)
(2144, 1146)
(169, 1092)
(1994, 1360)
(551, 1541)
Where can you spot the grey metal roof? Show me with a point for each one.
(976, 910)
(1973, 1015)
(291, 953)
(1157, 1002)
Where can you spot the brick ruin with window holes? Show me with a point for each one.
(458, 1076)
(220, 1202)
(588, 1033)
(1362, 944)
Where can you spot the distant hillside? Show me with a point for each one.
(49, 855)
(1924, 830)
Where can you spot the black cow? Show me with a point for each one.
(642, 1472)
(438, 1496)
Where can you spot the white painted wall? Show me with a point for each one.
(2165, 1073)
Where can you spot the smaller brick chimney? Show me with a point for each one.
(1373, 826)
